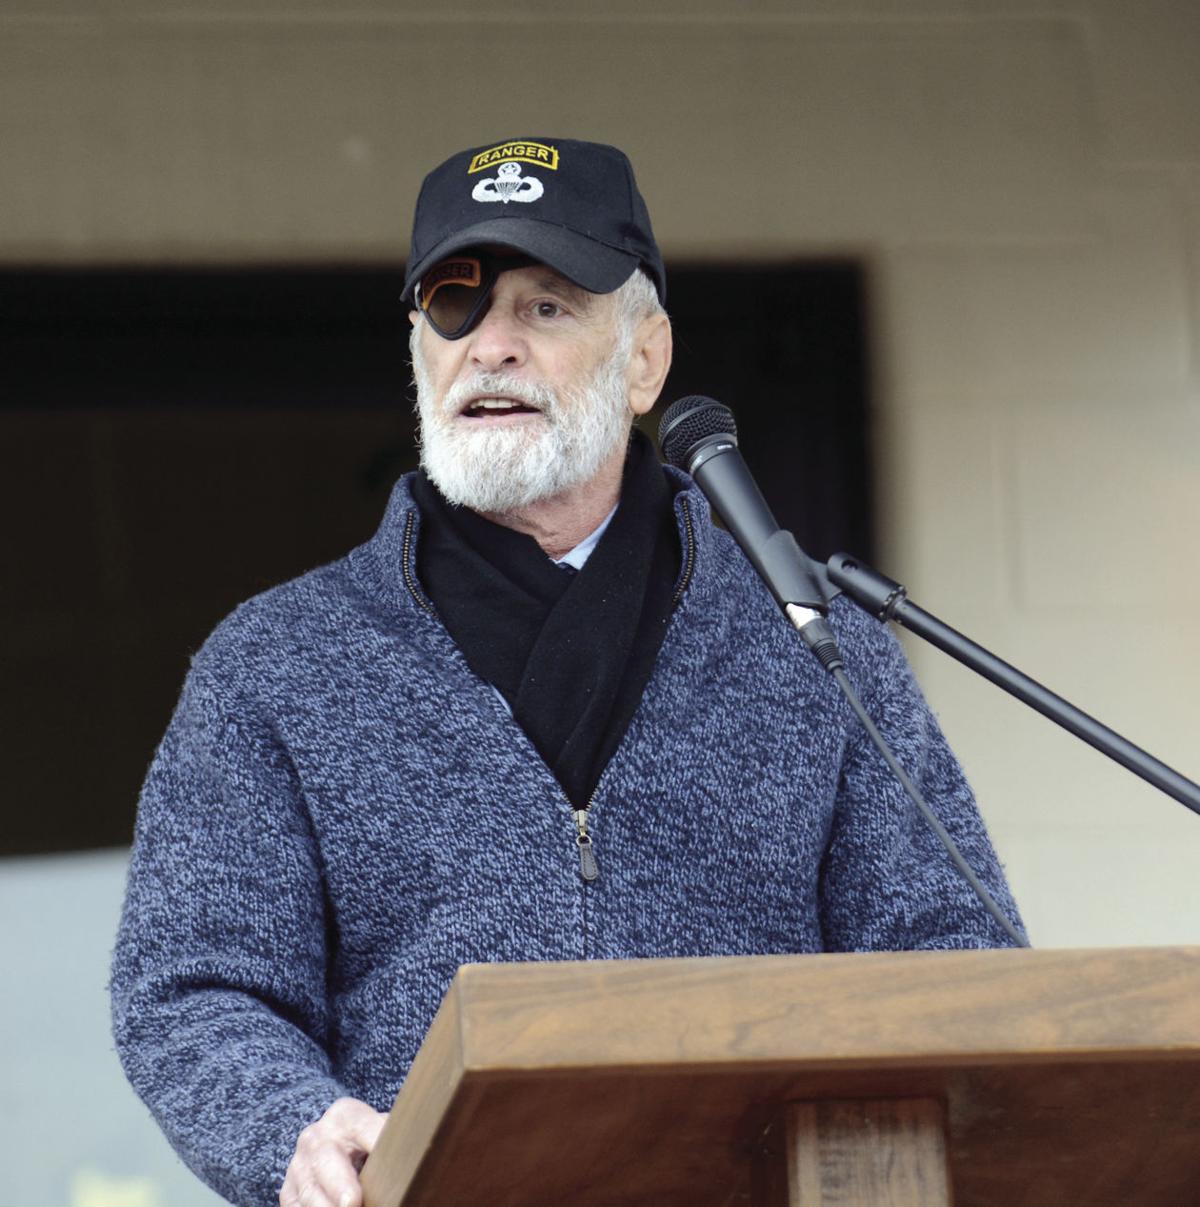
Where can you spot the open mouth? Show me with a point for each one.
(497, 408)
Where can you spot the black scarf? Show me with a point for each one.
(571, 653)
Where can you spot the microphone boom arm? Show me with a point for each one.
(886, 599)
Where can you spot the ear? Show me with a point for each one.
(649, 362)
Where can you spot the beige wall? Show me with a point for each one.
(1023, 182)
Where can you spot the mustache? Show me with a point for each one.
(533, 394)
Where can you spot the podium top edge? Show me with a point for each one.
(833, 1009)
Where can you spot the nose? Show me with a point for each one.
(498, 342)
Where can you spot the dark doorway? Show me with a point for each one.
(172, 442)
(785, 347)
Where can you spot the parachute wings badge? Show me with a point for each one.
(508, 185)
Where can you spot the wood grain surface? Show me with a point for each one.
(889, 1153)
(1066, 1076)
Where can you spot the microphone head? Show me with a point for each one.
(690, 422)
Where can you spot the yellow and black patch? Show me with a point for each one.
(464, 270)
(521, 152)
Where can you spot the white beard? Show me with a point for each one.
(505, 467)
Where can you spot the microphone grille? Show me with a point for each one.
(688, 421)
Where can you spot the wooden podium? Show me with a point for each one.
(985, 1078)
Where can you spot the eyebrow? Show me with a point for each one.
(557, 283)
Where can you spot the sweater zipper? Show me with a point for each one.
(410, 580)
(588, 868)
(689, 554)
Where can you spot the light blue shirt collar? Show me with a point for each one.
(576, 557)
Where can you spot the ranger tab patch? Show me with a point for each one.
(535, 153)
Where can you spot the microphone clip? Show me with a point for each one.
(792, 576)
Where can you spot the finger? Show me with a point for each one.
(356, 1123)
(367, 1129)
(337, 1177)
(329, 1153)
(301, 1190)
(302, 1183)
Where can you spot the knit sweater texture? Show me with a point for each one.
(341, 814)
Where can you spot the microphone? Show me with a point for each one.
(699, 436)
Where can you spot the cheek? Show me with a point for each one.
(577, 368)
(441, 360)
(595, 352)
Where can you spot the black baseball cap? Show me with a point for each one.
(572, 205)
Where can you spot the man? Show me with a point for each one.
(547, 713)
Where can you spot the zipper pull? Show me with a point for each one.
(587, 859)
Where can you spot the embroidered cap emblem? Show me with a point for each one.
(536, 153)
(508, 185)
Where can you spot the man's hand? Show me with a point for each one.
(323, 1171)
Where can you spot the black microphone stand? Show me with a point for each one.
(886, 599)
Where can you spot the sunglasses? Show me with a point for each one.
(453, 295)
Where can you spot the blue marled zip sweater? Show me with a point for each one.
(341, 814)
